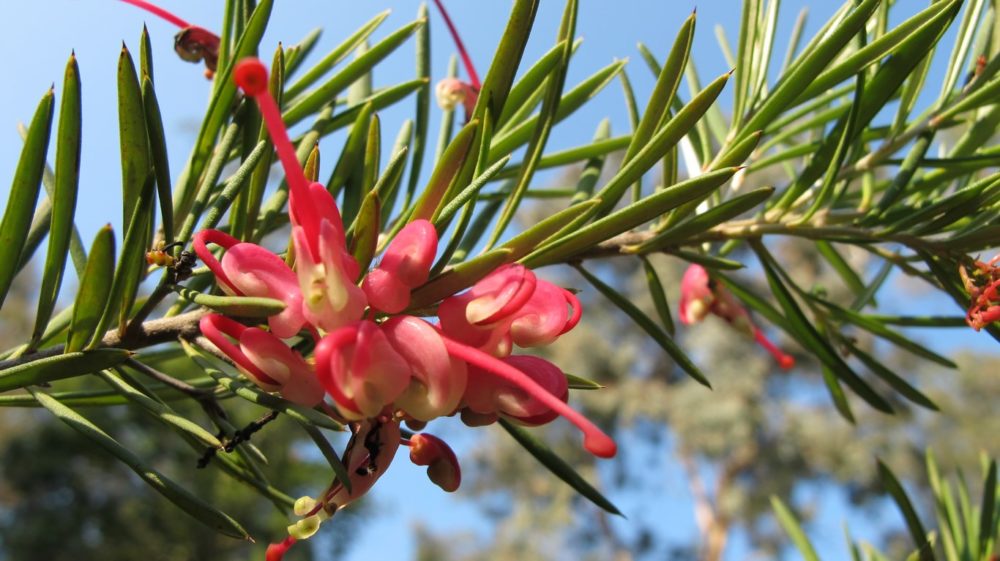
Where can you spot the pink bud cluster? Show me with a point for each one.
(701, 296)
(379, 365)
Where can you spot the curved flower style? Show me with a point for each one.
(700, 296)
(192, 43)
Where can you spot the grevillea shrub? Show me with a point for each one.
(384, 299)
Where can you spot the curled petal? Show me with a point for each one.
(361, 370)
(250, 270)
(265, 359)
(282, 364)
(481, 316)
(438, 381)
(442, 465)
(385, 292)
(543, 318)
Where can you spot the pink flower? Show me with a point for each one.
(250, 270)
(700, 296)
(405, 265)
(265, 359)
(490, 396)
(193, 43)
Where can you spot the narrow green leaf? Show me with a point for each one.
(160, 411)
(873, 52)
(841, 266)
(665, 89)
(158, 152)
(803, 70)
(578, 383)
(600, 147)
(648, 325)
(93, 295)
(592, 169)
(705, 221)
(506, 59)
(422, 117)
(135, 154)
(658, 295)
(534, 236)
(804, 331)
(239, 306)
(24, 192)
(467, 194)
(67, 179)
(510, 140)
(987, 510)
(334, 57)
(837, 394)
(131, 264)
(628, 217)
(311, 102)
(546, 120)
(448, 166)
(59, 367)
(889, 377)
(558, 466)
(184, 499)
(874, 327)
(666, 137)
(219, 109)
(917, 532)
(529, 84)
(347, 174)
(793, 529)
(387, 185)
(364, 235)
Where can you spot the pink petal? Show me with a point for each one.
(411, 253)
(542, 319)
(438, 381)
(255, 271)
(272, 356)
(385, 292)
(442, 465)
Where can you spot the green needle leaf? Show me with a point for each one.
(67, 179)
(60, 367)
(24, 193)
(558, 466)
(93, 295)
(184, 499)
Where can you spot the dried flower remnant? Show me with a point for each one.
(701, 295)
(192, 43)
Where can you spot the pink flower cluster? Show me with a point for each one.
(379, 365)
(701, 295)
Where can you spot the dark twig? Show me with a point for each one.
(239, 437)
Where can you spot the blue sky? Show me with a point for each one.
(38, 37)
